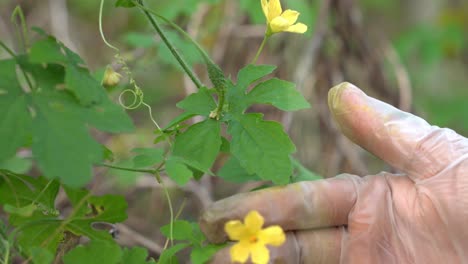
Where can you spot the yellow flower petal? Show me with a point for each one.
(259, 254)
(297, 28)
(253, 222)
(272, 235)
(274, 9)
(235, 230)
(239, 252)
(265, 8)
(291, 16)
(279, 24)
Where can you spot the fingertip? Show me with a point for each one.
(334, 95)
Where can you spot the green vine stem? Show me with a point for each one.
(18, 12)
(214, 72)
(265, 38)
(171, 47)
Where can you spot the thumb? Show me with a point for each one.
(403, 140)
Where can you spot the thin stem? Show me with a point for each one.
(6, 246)
(219, 108)
(24, 36)
(265, 38)
(9, 51)
(171, 209)
(100, 28)
(171, 47)
(179, 30)
(126, 169)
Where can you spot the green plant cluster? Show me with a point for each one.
(50, 100)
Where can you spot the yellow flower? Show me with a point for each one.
(111, 77)
(252, 238)
(279, 21)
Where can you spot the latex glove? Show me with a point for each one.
(420, 216)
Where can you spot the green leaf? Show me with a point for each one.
(225, 145)
(178, 171)
(15, 120)
(87, 89)
(17, 164)
(22, 191)
(47, 50)
(95, 252)
(107, 154)
(301, 173)
(37, 231)
(135, 255)
(279, 93)
(182, 230)
(168, 255)
(15, 125)
(236, 94)
(107, 116)
(94, 209)
(252, 73)
(25, 211)
(9, 84)
(147, 157)
(48, 77)
(124, 3)
(262, 147)
(201, 255)
(179, 119)
(62, 145)
(232, 171)
(35, 226)
(200, 103)
(41, 256)
(200, 144)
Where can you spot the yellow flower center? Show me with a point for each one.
(253, 239)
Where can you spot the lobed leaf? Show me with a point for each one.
(147, 157)
(168, 255)
(95, 252)
(279, 93)
(87, 89)
(200, 103)
(262, 147)
(15, 125)
(15, 120)
(182, 230)
(47, 50)
(201, 255)
(62, 145)
(199, 144)
(178, 171)
(233, 171)
(252, 73)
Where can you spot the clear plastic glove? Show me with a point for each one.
(419, 216)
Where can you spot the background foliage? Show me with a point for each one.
(61, 131)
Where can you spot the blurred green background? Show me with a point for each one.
(411, 54)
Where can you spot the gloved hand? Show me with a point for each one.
(419, 216)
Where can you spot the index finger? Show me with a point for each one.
(303, 205)
(403, 140)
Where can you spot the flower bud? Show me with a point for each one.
(111, 77)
